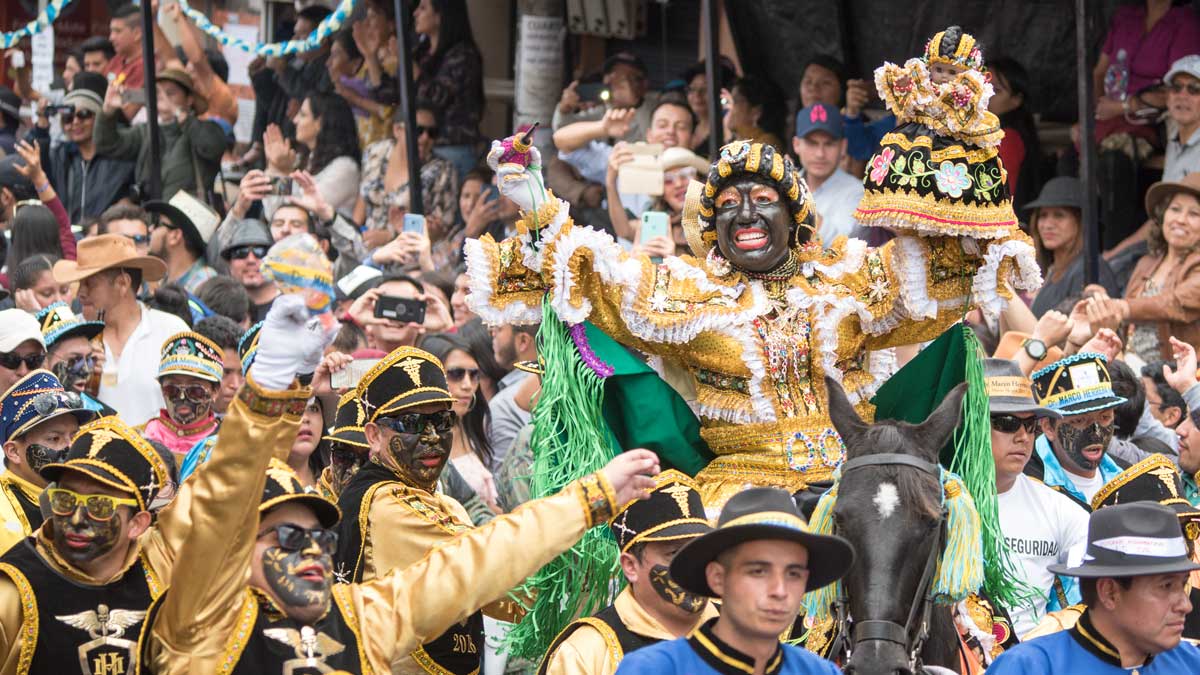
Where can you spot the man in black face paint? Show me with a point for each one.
(393, 512)
(37, 421)
(1071, 455)
(652, 607)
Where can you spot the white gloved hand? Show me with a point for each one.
(523, 185)
(289, 344)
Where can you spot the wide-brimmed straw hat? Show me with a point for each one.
(107, 252)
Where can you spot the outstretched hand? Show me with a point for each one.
(1183, 376)
(632, 475)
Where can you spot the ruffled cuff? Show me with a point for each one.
(1011, 262)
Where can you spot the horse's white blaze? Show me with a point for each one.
(886, 500)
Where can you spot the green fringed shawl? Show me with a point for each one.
(581, 421)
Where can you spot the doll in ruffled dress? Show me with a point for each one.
(938, 171)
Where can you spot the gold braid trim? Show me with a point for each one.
(341, 595)
(974, 155)
(239, 636)
(545, 214)
(596, 496)
(29, 616)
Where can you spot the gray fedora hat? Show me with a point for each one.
(247, 232)
(1010, 391)
(1131, 540)
(1059, 191)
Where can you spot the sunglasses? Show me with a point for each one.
(139, 239)
(13, 361)
(1008, 424)
(1192, 88)
(192, 392)
(243, 252)
(295, 538)
(64, 502)
(422, 129)
(414, 423)
(67, 117)
(50, 401)
(457, 374)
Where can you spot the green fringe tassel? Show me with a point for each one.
(960, 568)
(569, 441)
(973, 462)
(818, 604)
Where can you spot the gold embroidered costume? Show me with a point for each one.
(755, 347)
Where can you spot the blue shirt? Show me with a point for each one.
(1084, 650)
(703, 652)
(862, 137)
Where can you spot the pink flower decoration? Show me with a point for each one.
(880, 164)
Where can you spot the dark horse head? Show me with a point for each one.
(892, 513)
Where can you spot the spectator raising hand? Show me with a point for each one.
(281, 157)
(1183, 376)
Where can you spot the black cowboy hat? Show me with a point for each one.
(1132, 540)
(752, 515)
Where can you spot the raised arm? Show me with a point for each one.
(407, 607)
(210, 528)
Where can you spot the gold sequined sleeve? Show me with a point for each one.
(407, 607)
(588, 276)
(218, 510)
(913, 288)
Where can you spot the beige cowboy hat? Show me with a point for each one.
(183, 79)
(106, 252)
(676, 158)
(1165, 190)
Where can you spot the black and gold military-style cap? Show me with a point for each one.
(284, 486)
(405, 378)
(110, 451)
(674, 510)
(1154, 479)
(348, 421)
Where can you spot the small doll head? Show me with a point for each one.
(950, 52)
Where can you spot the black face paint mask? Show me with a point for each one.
(282, 567)
(81, 539)
(660, 580)
(419, 459)
(38, 455)
(1072, 441)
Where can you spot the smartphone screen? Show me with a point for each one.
(491, 193)
(655, 224)
(414, 222)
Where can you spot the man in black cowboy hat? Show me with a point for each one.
(1040, 525)
(1134, 576)
(652, 607)
(760, 560)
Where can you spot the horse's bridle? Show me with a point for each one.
(922, 604)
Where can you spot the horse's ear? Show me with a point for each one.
(845, 418)
(940, 424)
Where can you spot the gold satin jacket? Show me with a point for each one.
(588, 651)
(197, 625)
(203, 501)
(757, 352)
(14, 526)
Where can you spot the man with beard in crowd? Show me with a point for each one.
(652, 607)
(1071, 455)
(37, 421)
(68, 339)
(244, 253)
(190, 374)
(181, 237)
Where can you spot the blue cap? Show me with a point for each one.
(819, 117)
(34, 399)
(58, 322)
